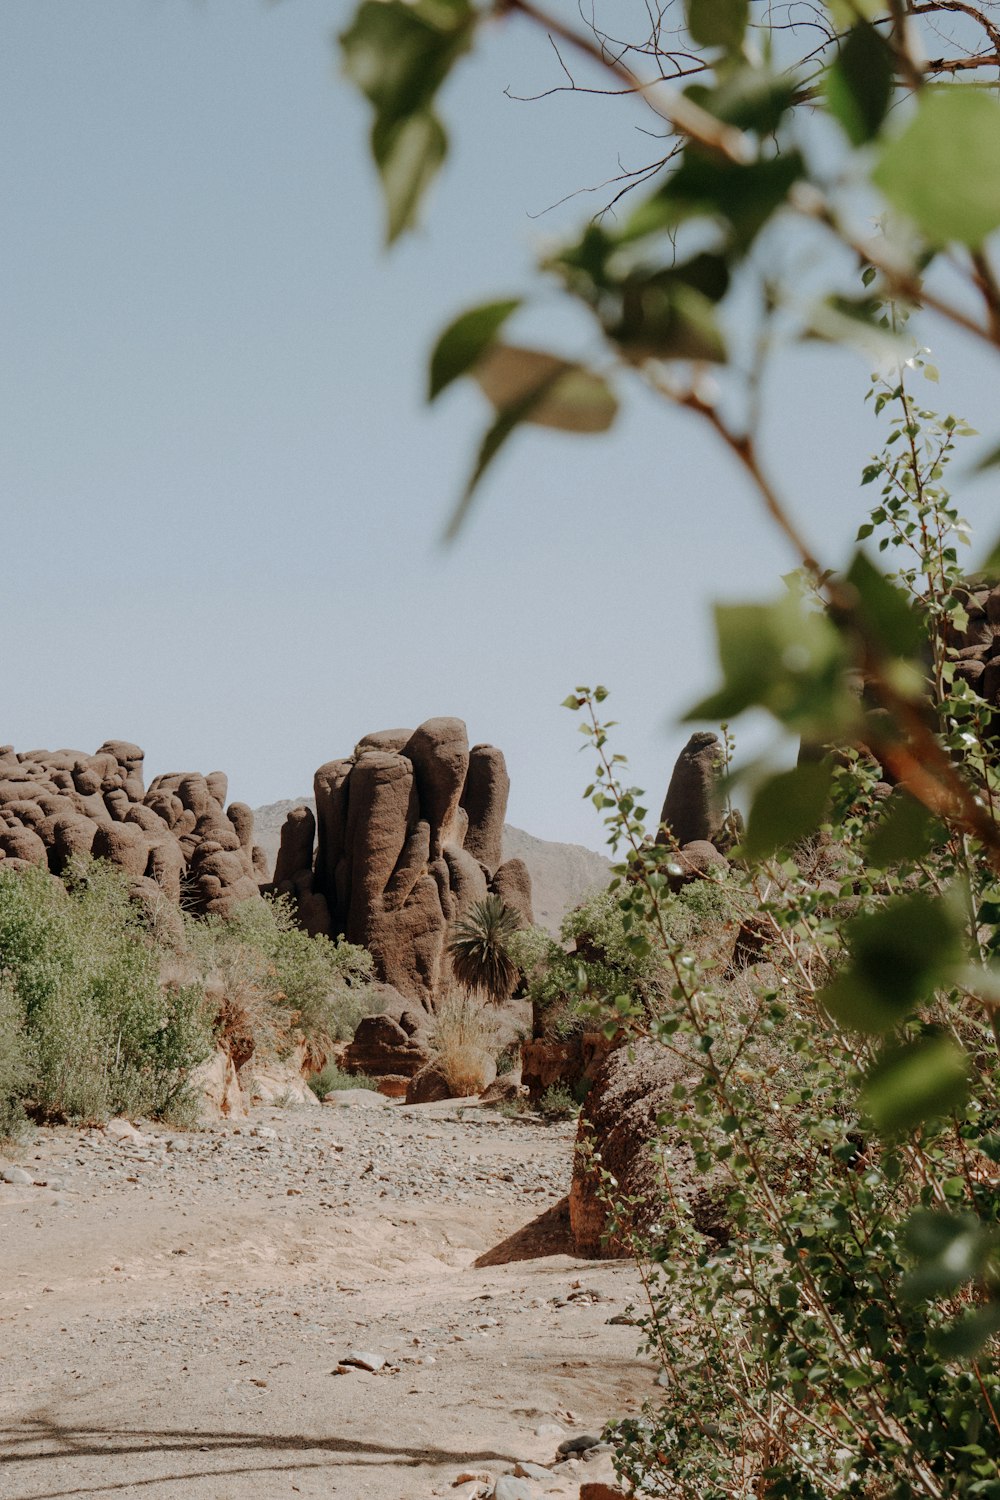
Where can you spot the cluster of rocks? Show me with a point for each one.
(976, 649)
(176, 839)
(407, 836)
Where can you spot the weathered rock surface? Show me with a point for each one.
(618, 1121)
(59, 804)
(406, 836)
(562, 875)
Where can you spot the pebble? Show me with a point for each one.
(525, 1470)
(508, 1487)
(578, 1444)
(365, 1360)
(15, 1176)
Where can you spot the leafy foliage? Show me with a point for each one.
(479, 948)
(85, 1029)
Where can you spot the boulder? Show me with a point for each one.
(635, 1083)
(381, 1046)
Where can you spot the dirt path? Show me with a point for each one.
(174, 1309)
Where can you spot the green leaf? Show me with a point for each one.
(964, 1338)
(943, 171)
(907, 832)
(742, 197)
(783, 658)
(408, 154)
(991, 563)
(885, 613)
(859, 83)
(898, 956)
(845, 13)
(560, 393)
(398, 54)
(949, 1249)
(465, 341)
(915, 1082)
(749, 97)
(494, 440)
(787, 808)
(718, 23)
(663, 317)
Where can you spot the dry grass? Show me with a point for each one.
(465, 1042)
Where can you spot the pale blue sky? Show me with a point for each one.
(223, 491)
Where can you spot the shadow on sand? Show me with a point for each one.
(45, 1440)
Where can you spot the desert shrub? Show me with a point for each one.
(98, 1035)
(332, 1078)
(286, 983)
(464, 1042)
(558, 1103)
(15, 1060)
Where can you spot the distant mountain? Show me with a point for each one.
(561, 874)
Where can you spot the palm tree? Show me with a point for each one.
(479, 953)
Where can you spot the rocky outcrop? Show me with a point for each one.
(618, 1123)
(175, 841)
(407, 835)
(693, 818)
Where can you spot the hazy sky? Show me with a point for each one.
(223, 492)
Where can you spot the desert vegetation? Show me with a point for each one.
(106, 1011)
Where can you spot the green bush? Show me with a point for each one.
(288, 983)
(558, 1103)
(332, 1078)
(86, 1031)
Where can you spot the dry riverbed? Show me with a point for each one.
(189, 1316)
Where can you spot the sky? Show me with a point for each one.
(224, 492)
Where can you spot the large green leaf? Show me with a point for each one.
(915, 1082)
(664, 317)
(718, 23)
(943, 171)
(742, 197)
(906, 832)
(859, 83)
(898, 956)
(465, 341)
(844, 13)
(786, 659)
(748, 96)
(888, 619)
(408, 154)
(398, 54)
(569, 397)
(787, 808)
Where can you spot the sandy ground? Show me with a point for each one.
(174, 1309)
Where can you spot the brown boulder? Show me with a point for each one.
(618, 1120)
(380, 1046)
(428, 1086)
(693, 862)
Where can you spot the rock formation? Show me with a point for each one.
(407, 835)
(693, 818)
(175, 841)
